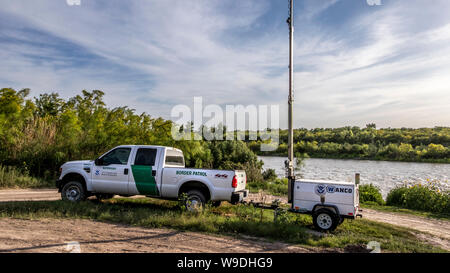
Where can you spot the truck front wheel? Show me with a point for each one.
(325, 220)
(195, 200)
(73, 191)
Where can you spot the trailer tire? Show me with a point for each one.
(325, 220)
(73, 191)
(195, 201)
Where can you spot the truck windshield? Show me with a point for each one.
(175, 158)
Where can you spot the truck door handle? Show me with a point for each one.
(153, 172)
(125, 171)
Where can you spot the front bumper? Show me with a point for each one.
(238, 196)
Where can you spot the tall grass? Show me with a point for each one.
(13, 177)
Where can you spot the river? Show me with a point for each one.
(384, 174)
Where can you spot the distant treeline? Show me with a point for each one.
(405, 144)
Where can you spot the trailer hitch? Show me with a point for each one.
(275, 204)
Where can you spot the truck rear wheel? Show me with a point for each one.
(73, 191)
(195, 200)
(325, 220)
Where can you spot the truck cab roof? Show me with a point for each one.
(147, 146)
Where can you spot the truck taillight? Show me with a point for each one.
(234, 183)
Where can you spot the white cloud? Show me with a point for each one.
(394, 76)
(312, 8)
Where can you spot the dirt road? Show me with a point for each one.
(29, 195)
(61, 235)
(438, 230)
(436, 227)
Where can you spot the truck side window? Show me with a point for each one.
(145, 156)
(174, 158)
(117, 156)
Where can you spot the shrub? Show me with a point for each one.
(396, 197)
(370, 193)
(420, 197)
(269, 174)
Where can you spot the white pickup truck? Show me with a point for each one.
(153, 171)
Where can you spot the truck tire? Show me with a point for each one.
(325, 220)
(73, 191)
(195, 201)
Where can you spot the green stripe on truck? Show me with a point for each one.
(144, 180)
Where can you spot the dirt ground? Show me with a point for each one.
(61, 235)
(437, 232)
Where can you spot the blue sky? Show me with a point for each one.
(354, 63)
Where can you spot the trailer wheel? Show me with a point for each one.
(73, 191)
(195, 201)
(325, 220)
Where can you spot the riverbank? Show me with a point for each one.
(352, 142)
(330, 156)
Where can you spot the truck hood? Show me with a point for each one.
(78, 162)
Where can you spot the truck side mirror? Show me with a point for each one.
(99, 161)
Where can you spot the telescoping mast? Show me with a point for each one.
(329, 202)
(290, 163)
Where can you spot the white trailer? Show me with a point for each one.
(329, 202)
